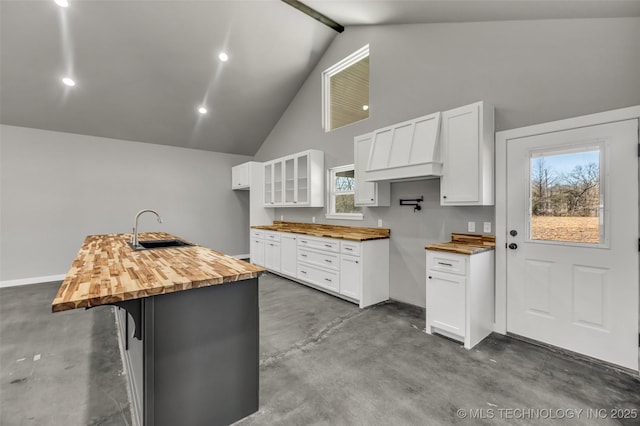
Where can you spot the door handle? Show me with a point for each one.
(513, 232)
(513, 246)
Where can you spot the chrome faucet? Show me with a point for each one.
(134, 237)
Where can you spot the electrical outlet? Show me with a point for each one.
(313, 219)
(487, 227)
(281, 218)
(471, 227)
(379, 223)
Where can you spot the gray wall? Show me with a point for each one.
(531, 71)
(59, 187)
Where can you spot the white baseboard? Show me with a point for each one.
(241, 256)
(32, 280)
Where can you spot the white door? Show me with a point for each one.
(572, 224)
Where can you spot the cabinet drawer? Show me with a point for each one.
(327, 244)
(324, 259)
(257, 233)
(272, 236)
(351, 248)
(447, 262)
(328, 279)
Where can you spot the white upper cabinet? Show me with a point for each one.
(295, 180)
(369, 194)
(241, 176)
(467, 156)
(406, 150)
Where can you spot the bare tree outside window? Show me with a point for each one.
(342, 193)
(565, 197)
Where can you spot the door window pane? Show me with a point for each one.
(566, 196)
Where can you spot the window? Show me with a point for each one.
(342, 194)
(345, 91)
(567, 196)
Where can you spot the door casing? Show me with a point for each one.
(500, 324)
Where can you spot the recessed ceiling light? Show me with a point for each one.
(62, 3)
(223, 57)
(69, 82)
(202, 110)
(365, 107)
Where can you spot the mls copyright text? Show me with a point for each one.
(547, 413)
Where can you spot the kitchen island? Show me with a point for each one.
(188, 318)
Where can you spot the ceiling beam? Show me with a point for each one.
(315, 15)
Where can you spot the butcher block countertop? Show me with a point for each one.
(352, 233)
(107, 270)
(466, 244)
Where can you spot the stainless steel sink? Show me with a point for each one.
(158, 244)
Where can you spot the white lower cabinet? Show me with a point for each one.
(272, 255)
(324, 278)
(351, 270)
(460, 295)
(257, 247)
(288, 254)
(357, 271)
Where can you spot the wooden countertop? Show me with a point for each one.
(107, 270)
(466, 244)
(352, 233)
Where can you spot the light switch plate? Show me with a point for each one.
(313, 219)
(471, 227)
(281, 218)
(487, 227)
(379, 223)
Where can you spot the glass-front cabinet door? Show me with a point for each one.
(268, 184)
(302, 174)
(277, 183)
(290, 181)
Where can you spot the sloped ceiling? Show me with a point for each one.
(144, 67)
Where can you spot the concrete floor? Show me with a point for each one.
(323, 362)
(58, 369)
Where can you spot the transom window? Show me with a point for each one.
(345, 91)
(342, 193)
(567, 202)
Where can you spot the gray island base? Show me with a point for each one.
(192, 357)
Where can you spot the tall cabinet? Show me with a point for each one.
(467, 137)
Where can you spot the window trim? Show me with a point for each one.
(331, 200)
(594, 145)
(356, 56)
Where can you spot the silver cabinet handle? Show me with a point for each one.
(328, 261)
(303, 255)
(327, 279)
(303, 272)
(445, 264)
(328, 245)
(347, 248)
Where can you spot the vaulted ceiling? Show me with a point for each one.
(143, 68)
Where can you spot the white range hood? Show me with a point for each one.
(405, 151)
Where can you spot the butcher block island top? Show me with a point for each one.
(107, 270)
(466, 244)
(352, 233)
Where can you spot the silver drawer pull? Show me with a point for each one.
(347, 248)
(303, 255)
(303, 272)
(445, 264)
(327, 279)
(328, 245)
(327, 260)
(304, 241)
